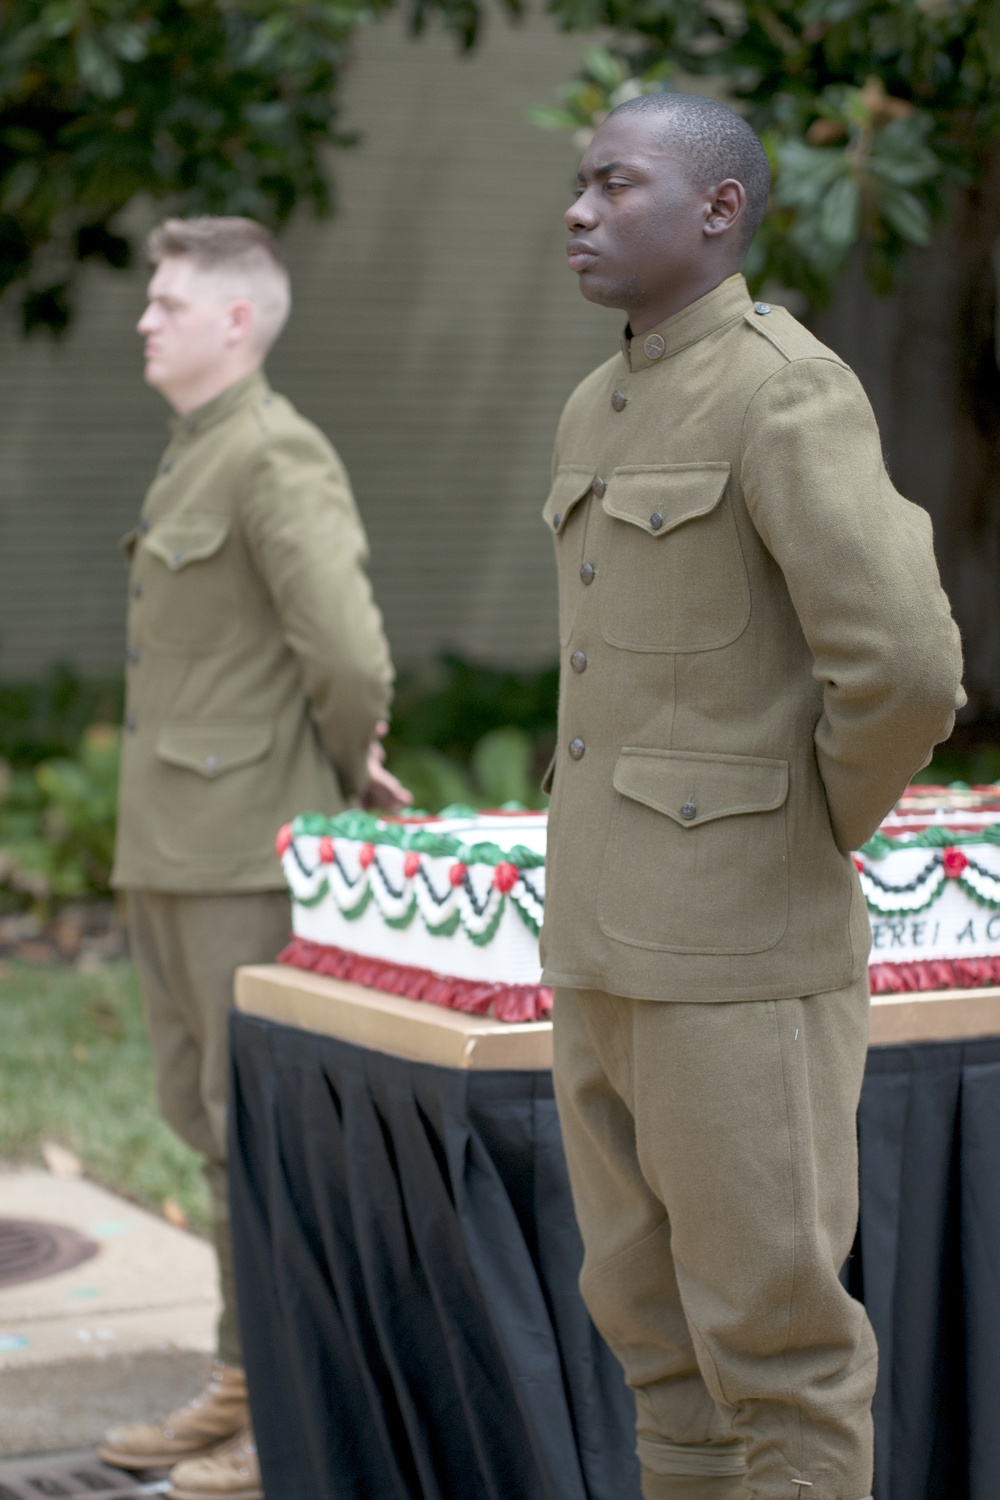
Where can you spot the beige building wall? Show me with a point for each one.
(435, 335)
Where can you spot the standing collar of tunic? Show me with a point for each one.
(235, 396)
(725, 303)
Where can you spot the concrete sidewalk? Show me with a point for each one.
(127, 1334)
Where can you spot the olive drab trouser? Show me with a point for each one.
(186, 950)
(712, 1151)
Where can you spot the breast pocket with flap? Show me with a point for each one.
(189, 595)
(674, 579)
(696, 859)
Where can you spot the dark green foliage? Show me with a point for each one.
(872, 111)
(57, 824)
(46, 718)
(452, 704)
(213, 106)
(463, 733)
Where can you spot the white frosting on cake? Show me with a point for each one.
(490, 933)
(931, 877)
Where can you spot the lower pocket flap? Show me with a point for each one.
(693, 787)
(211, 749)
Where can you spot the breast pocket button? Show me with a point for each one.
(577, 749)
(689, 810)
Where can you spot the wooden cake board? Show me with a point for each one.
(389, 1023)
(428, 1033)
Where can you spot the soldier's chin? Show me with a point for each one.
(600, 292)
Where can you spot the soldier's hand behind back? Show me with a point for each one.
(383, 791)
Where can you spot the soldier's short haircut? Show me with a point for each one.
(241, 253)
(716, 142)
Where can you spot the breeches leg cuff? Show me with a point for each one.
(694, 1460)
(693, 1487)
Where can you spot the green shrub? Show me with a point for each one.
(57, 824)
(47, 717)
(501, 769)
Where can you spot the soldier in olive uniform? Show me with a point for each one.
(757, 657)
(258, 674)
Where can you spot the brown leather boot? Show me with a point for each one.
(230, 1473)
(218, 1413)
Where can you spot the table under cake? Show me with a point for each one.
(406, 1253)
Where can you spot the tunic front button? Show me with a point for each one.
(178, 558)
(619, 400)
(137, 591)
(587, 572)
(577, 749)
(166, 466)
(211, 763)
(578, 661)
(131, 723)
(599, 487)
(143, 525)
(133, 654)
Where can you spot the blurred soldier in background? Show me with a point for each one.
(258, 683)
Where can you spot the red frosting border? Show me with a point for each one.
(934, 974)
(533, 1002)
(504, 1002)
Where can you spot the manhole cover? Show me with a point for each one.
(30, 1250)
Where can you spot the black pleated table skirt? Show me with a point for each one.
(406, 1259)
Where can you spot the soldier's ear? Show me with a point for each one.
(242, 321)
(726, 205)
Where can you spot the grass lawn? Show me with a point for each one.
(75, 1069)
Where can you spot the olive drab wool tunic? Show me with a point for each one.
(257, 667)
(756, 656)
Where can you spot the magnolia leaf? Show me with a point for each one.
(907, 215)
(900, 153)
(127, 42)
(607, 69)
(97, 67)
(839, 214)
(807, 173)
(19, 184)
(551, 117)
